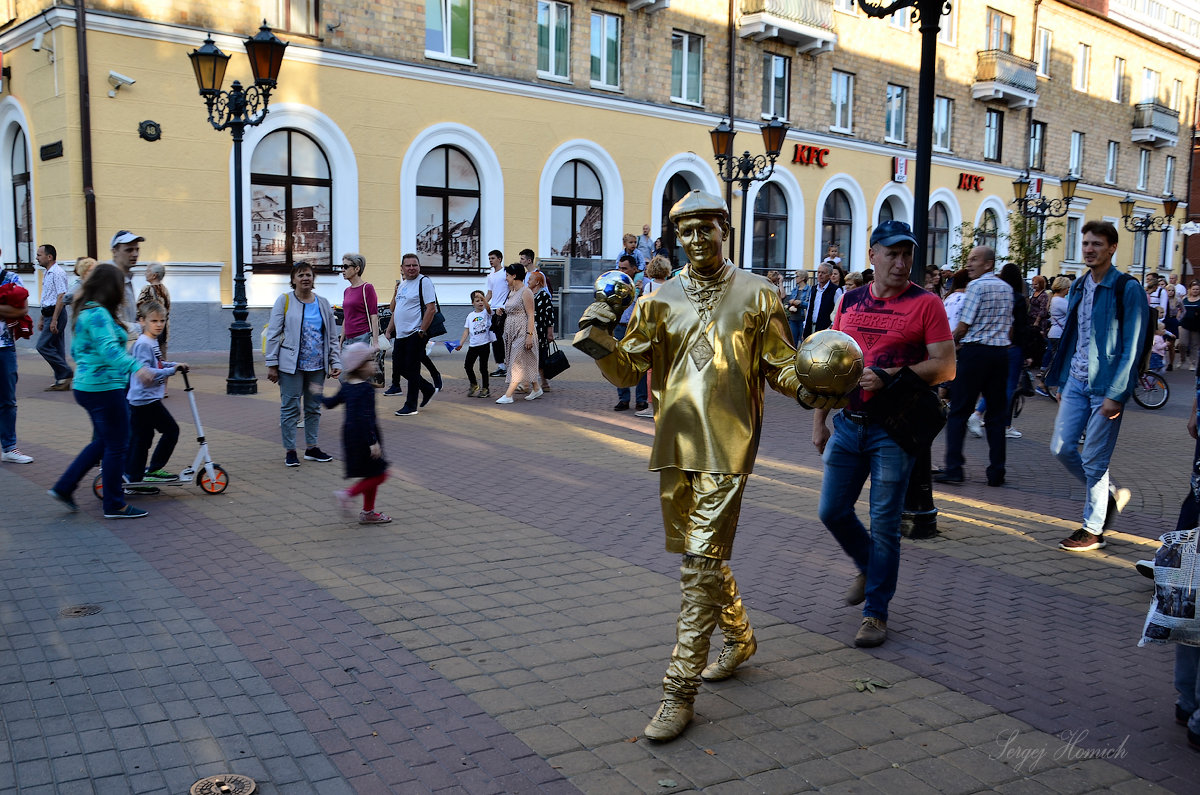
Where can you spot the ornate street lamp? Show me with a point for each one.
(1146, 224)
(748, 168)
(1038, 208)
(235, 110)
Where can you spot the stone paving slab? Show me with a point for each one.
(508, 633)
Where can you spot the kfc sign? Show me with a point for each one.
(810, 156)
(970, 181)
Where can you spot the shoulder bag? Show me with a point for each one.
(555, 363)
(908, 409)
(437, 327)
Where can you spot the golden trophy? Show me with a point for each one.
(614, 292)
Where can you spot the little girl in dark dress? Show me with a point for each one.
(361, 441)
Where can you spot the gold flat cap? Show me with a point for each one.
(698, 202)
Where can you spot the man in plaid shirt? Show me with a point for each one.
(983, 335)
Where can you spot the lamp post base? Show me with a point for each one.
(241, 380)
(920, 514)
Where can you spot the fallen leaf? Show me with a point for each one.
(632, 740)
(710, 752)
(667, 782)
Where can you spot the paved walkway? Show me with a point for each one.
(508, 632)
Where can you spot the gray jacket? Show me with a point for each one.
(283, 334)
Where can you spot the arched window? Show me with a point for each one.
(988, 231)
(886, 213)
(676, 189)
(291, 210)
(770, 229)
(576, 212)
(448, 212)
(837, 226)
(939, 236)
(22, 258)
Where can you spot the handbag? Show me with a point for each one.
(437, 326)
(908, 409)
(555, 362)
(1172, 616)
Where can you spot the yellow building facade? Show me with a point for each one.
(453, 127)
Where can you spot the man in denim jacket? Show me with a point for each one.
(1096, 367)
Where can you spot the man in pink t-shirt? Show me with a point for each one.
(898, 325)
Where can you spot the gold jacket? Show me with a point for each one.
(708, 419)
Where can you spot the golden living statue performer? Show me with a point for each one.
(711, 335)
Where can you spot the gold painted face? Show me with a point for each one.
(701, 238)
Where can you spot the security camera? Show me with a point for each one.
(116, 80)
(37, 40)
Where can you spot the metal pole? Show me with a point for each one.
(741, 252)
(241, 380)
(930, 13)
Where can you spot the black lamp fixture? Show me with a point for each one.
(747, 168)
(235, 110)
(1038, 208)
(1145, 224)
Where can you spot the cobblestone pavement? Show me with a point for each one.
(508, 632)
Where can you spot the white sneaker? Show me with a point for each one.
(647, 413)
(1012, 433)
(504, 399)
(15, 456)
(975, 426)
(535, 395)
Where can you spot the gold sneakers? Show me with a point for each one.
(669, 722)
(732, 655)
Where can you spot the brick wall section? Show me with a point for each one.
(505, 45)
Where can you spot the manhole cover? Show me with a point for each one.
(224, 784)
(78, 611)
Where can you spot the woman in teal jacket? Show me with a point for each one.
(102, 370)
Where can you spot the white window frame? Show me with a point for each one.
(1072, 248)
(1045, 48)
(893, 121)
(1118, 87)
(603, 19)
(1143, 169)
(1075, 161)
(990, 114)
(846, 7)
(1169, 176)
(448, 35)
(770, 60)
(279, 14)
(948, 27)
(1037, 145)
(1112, 156)
(943, 107)
(691, 41)
(1151, 83)
(900, 19)
(1176, 94)
(842, 122)
(555, 9)
(1083, 66)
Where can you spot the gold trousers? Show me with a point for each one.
(709, 598)
(700, 511)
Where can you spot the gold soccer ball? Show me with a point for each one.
(829, 363)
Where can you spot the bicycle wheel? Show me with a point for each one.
(1151, 391)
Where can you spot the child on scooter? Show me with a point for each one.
(362, 445)
(147, 413)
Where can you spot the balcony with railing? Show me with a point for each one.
(1000, 75)
(1155, 124)
(805, 24)
(649, 6)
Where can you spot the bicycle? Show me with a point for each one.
(1151, 391)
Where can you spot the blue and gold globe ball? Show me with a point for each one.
(616, 289)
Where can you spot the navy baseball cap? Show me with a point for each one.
(889, 233)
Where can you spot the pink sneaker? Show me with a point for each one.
(373, 517)
(344, 500)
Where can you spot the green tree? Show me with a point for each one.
(1024, 246)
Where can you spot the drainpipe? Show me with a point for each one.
(1190, 192)
(735, 238)
(85, 127)
(1037, 6)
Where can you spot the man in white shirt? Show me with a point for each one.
(125, 252)
(1180, 290)
(53, 321)
(822, 301)
(645, 245)
(409, 328)
(495, 296)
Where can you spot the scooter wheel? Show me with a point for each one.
(214, 485)
(98, 487)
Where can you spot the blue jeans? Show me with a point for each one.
(109, 413)
(292, 388)
(796, 322)
(1187, 682)
(640, 391)
(1078, 410)
(8, 398)
(854, 452)
(53, 347)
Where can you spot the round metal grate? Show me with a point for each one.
(78, 611)
(224, 784)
